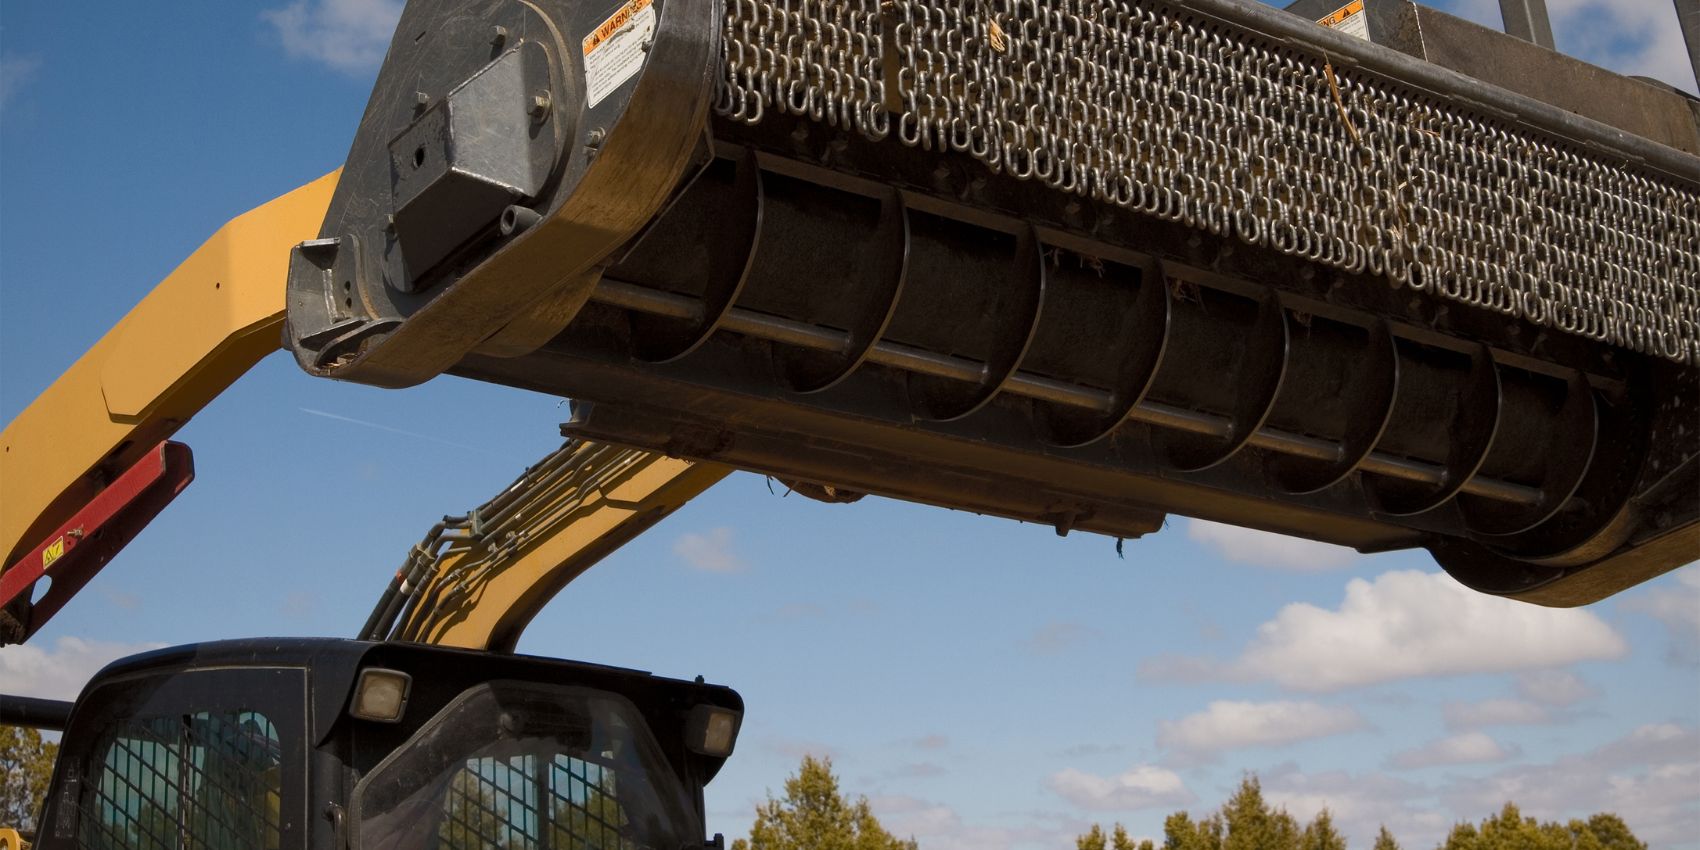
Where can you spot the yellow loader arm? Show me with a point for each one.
(188, 340)
(84, 452)
(477, 579)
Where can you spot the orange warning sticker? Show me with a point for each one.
(1349, 19)
(623, 16)
(615, 51)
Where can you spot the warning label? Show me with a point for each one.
(615, 51)
(1349, 19)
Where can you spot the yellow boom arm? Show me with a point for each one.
(189, 339)
(478, 579)
(205, 326)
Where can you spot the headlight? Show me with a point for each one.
(381, 695)
(712, 730)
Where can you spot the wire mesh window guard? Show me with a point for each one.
(532, 803)
(186, 782)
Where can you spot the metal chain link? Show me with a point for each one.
(1140, 104)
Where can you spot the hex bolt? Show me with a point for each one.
(499, 37)
(540, 104)
(595, 137)
(421, 101)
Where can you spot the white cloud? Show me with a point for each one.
(1053, 638)
(1402, 625)
(1360, 804)
(794, 749)
(934, 741)
(1677, 605)
(1628, 36)
(1142, 786)
(936, 826)
(1229, 725)
(15, 73)
(1466, 748)
(1088, 751)
(1495, 712)
(59, 673)
(1649, 777)
(1653, 743)
(1264, 549)
(1554, 687)
(711, 552)
(348, 35)
(121, 600)
(1637, 37)
(916, 770)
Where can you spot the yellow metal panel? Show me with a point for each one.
(205, 325)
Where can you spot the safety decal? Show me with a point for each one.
(615, 51)
(1349, 19)
(53, 552)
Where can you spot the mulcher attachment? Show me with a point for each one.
(1076, 262)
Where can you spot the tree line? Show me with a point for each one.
(1247, 821)
(814, 814)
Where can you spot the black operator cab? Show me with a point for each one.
(331, 744)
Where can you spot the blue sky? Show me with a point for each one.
(986, 684)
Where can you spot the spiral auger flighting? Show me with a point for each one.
(1080, 262)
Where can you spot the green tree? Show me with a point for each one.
(1180, 832)
(1117, 839)
(26, 767)
(1247, 821)
(595, 823)
(474, 817)
(1384, 840)
(1253, 825)
(1510, 830)
(1093, 839)
(815, 815)
(1613, 833)
(1320, 834)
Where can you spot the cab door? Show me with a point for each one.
(184, 759)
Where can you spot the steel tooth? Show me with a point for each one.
(1472, 433)
(735, 238)
(1577, 432)
(1375, 388)
(943, 400)
(1140, 344)
(808, 371)
(1257, 384)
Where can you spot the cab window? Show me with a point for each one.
(186, 782)
(495, 802)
